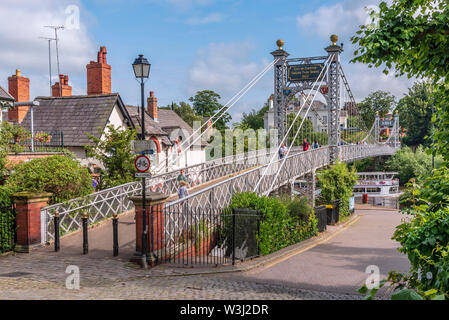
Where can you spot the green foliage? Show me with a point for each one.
(116, 155)
(411, 37)
(337, 183)
(307, 131)
(60, 175)
(278, 227)
(205, 103)
(378, 101)
(10, 137)
(255, 119)
(415, 110)
(411, 164)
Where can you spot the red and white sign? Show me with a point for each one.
(142, 163)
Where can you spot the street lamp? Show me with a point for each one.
(141, 68)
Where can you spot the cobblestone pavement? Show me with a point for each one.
(42, 276)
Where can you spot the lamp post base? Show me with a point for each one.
(149, 261)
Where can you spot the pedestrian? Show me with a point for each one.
(282, 151)
(183, 192)
(305, 145)
(315, 145)
(181, 177)
(94, 183)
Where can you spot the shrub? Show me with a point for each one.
(279, 228)
(337, 183)
(411, 164)
(62, 176)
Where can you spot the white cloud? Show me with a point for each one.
(226, 68)
(211, 18)
(344, 19)
(23, 23)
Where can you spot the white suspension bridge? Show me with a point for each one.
(259, 171)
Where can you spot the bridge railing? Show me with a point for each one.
(218, 196)
(105, 203)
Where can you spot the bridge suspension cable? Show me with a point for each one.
(296, 117)
(226, 107)
(299, 129)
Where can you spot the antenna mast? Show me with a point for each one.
(49, 58)
(56, 28)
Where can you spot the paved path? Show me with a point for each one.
(339, 265)
(331, 270)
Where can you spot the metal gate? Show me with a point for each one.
(205, 236)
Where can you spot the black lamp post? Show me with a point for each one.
(141, 68)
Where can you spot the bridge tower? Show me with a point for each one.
(333, 81)
(295, 75)
(280, 82)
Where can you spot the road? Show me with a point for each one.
(332, 270)
(340, 264)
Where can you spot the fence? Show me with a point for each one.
(381, 201)
(192, 236)
(7, 229)
(45, 142)
(106, 203)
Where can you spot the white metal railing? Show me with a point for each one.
(105, 203)
(219, 195)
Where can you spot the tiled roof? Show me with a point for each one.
(5, 94)
(75, 116)
(151, 126)
(171, 123)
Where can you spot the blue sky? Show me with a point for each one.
(192, 44)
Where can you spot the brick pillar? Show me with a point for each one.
(154, 206)
(28, 219)
(99, 75)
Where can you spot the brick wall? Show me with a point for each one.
(14, 158)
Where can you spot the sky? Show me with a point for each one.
(192, 45)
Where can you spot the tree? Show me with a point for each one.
(114, 151)
(306, 131)
(410, 37)
(254, 119)
(185, 111)
(378, 101)
(409, 164)
(205, 103)
(415, 111)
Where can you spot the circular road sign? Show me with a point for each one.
(142, 163)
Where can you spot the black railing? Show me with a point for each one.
(8, 233)
(45, 142)
(194, 236)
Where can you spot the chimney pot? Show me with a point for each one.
(19, 88)
(99, 75)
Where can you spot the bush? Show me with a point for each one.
(411, 164)
(279, 228)
(425, 240)
(337, 183)
(62, 176)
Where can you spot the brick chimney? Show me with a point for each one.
(99, 75)
(152, 106)
(66, 90)
(19, 88)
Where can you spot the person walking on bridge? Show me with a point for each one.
(181, 177)
(305, 145)
(282, 151)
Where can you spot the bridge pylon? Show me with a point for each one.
(333, 82)
(280, 82)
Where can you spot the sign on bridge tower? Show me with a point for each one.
(295, 75)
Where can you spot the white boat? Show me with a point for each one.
(378, 184)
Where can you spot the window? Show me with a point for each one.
(373, 190)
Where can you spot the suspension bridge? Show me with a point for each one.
(260, 171)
